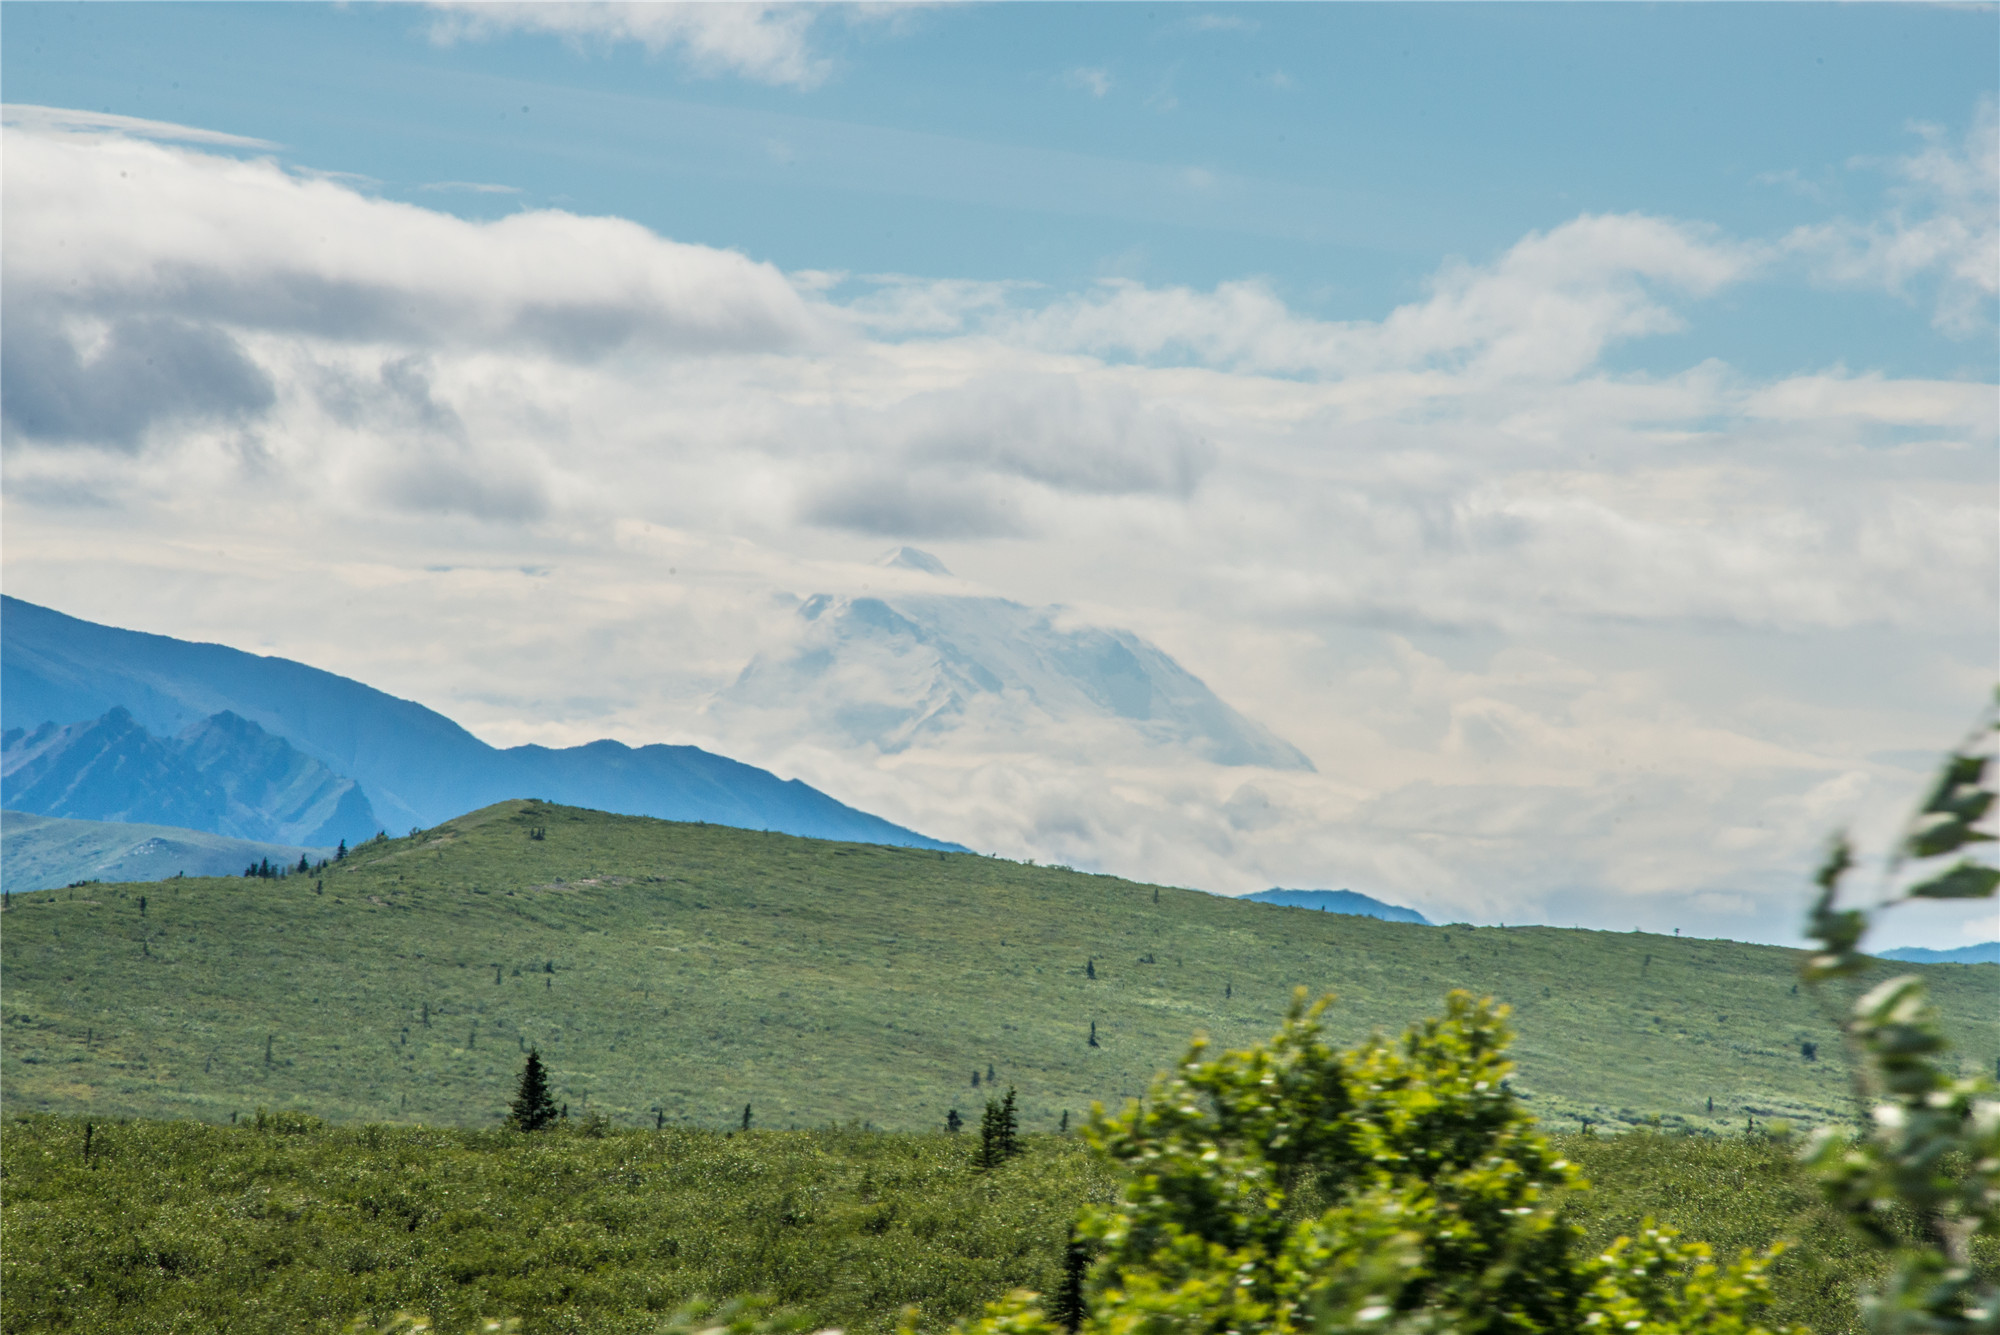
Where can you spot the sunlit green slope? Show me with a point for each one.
(683, 971)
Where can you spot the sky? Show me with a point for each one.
(1572, 426)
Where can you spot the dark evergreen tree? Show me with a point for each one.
(142, 906)
(340, 854)
(989, 1138)
(989, 1073)
(1090, 968)
(975, 1079)
(1009, 1129)
(746, 1117)
(1093, 1035)
(305, 865)
(953, 1122)
(1068, 1309)
(534, 1107)
(1064, 1127)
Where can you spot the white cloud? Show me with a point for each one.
(117, 228)
(1560, 641)
(1091, 79)
(1943, 228)
(1546, 309)
(767, 43)
(63, 119)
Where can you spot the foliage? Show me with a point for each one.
(1932, 1142)
(1397, 1186)
(181, 1227)
(662, 971)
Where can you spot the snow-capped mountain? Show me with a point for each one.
(940, 670)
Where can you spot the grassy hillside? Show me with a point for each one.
(288, 1227)
(38, 852)
(678, 972)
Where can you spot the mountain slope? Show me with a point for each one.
(1338, 901)
(416, 766)
(692, 969)
(40, 852)
(224, 775)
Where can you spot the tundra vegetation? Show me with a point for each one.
(1394, 1184)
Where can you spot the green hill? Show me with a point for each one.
(678, 972)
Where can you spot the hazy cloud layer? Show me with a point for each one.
(1559, 641)
(764, 42)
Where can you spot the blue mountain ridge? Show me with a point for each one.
(1339, 901)
(224, 775)
(1985, 952)
(415, 766)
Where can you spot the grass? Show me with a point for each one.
(294, 1226)
(671, 974)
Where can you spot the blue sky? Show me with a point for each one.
(1337, 151)
(1574, 427)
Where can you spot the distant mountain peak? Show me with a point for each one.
(912, 558)
(896, 670)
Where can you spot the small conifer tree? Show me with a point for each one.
(340, 854)
(1093, 1034)
(1090, 968)
(1069, 1308)
(746, 1117)
(534, 1107)
(1009, 1128)
(953, 1122)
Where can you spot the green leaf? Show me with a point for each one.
(1968, 880)
(1959, 772)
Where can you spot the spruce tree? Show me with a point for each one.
(1068, 1308)
(952, 1121)
(989, 1138)
(1009, 1129)
(1090, 968)
(534, 1108)
(1093, 1034)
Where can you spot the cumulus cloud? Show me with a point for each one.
(1546, 309)
(767, 43)
(138, 370)
(1943, 229)
(118, 227)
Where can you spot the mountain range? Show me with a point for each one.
(1339, 901)
(224, 775)
(122, 701)
(43, 852)
(1985, 952)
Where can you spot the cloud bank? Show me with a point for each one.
(1561, 642)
